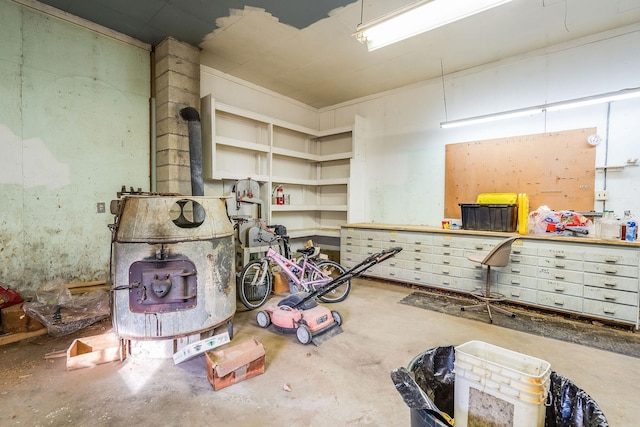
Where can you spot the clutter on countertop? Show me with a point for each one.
(568, 223)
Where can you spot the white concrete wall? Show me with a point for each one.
(404, 175)
(74, 116)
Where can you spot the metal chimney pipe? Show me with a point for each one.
(191, 115)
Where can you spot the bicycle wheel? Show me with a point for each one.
(255, 284)
(333, 270)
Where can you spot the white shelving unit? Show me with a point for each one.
(313, 167)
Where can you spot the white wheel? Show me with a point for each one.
(304, 334)
(263, 319)
(337, 317)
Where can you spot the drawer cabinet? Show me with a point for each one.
(592, 278)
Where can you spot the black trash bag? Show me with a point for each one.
(433, 372)
(571, 406)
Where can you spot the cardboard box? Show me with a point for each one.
(90, 351)
(15, 320)
(199, 347)
(234, 364)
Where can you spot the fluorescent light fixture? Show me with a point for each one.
(418, 18)
(554, 106)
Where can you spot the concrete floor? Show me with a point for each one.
(343, 382)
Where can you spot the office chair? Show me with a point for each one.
(497, 257)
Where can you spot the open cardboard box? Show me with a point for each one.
(234, 364)
(90, 351)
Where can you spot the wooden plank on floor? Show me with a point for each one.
(11, 338)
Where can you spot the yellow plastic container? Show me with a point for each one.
(497, 198)
(523, 213)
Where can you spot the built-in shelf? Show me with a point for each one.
(312, 166)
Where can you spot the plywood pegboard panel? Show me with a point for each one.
(555, 169)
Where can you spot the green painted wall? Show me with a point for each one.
(74, 128)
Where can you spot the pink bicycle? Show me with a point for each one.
(305, 275)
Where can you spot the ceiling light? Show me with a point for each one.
(417, 18)
(555, 106)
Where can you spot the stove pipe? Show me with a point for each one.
(191, 115)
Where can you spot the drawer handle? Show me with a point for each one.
(369, 238)
(559, 255)
(417, 258)
(416, 278)
(417, 243)
(446, 244)
(607, 259)
(446, 261)
(479, 247)
(611, 270)
(515, 259)
(369, 246)
(417, 268)
(559, 265)
(446, 253)
(393, 264)
(516, 251)
(515, 294)
(446, 283)
(393, 240)
(515, 282)
(349, 250)
(392, 274)
(609, 311)
(559, 289)
(559, 276)
(515, 270)
(478, 276)
(611, 285)
(445, 271)
(417, 250)
(349, 244)
(561, 303)
(610, 297)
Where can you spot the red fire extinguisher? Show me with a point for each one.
(279, 195)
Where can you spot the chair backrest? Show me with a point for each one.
(499, 255)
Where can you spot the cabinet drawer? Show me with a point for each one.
(419, 266)
(625, 313)
(375, 236)
(475, 274)
(350, 233)
(520, 294)
(565, 264)
(449, 260)
(446, 270)
(521, 270)
(421, 277)
(560, 302)
(519, 259)
(410, 248)
(445, 281)
(449, 251)
(611, 295)
(396, 238)
(564, 288)
(613, 256)
(351, 250)
(521, 247)
(611, 269)
(415, 256)
(350, 241)
(612, 282)
(418, 239)
(561, 275)
(448, 241)
(517, 281)
(566, 253)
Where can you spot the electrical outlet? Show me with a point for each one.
(602, 195)
(100, 207)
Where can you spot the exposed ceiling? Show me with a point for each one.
(304, 49)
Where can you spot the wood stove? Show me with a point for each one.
(173, 270)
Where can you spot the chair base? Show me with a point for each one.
(486, 304)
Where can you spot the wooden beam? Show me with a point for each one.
(11, 338)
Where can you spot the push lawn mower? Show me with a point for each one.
(300, 313)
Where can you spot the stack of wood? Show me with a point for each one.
(17, 325)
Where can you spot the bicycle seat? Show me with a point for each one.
(309, 252)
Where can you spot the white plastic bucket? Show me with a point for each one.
(499, 386)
